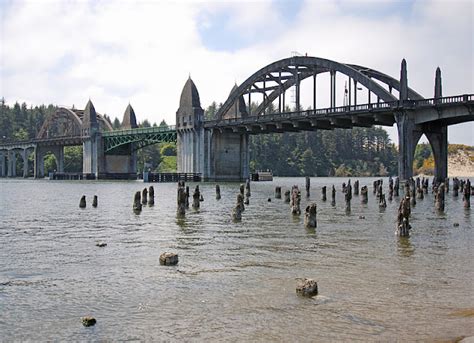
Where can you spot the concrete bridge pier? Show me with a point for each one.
(216, 154)
(11, 163)
(90, 147)
(24, 156)
(3, 164)
(438, 138)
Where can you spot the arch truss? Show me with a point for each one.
(273, 80)
(67, 122)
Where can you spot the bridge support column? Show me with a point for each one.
(39, 162)
(229, 156)
(11, 163)
(24, 156)
(3, 172)
(438, 138)
(408, 136)
(90, 151)
(60, 159)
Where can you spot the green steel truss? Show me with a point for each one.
(141, 137)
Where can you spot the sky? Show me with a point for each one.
(142, 52)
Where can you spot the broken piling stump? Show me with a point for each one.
(137, 204)
(277, 192)
(151, 196)
(82, 202)
(307, 287)
(310, 216)
(168, 259)
(94, 201)
(218, 192)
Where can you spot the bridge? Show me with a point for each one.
(218, 148)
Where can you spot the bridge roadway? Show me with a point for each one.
(447, 111)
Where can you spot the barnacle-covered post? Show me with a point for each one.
(439, 198)
(403, 218)
(467, 194)
(295, 200)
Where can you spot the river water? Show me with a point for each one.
(234, 281)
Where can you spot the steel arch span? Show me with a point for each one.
(67, 122)
(274, 79)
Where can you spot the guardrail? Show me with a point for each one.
(341, 110)
(143, 130)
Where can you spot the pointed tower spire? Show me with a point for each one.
(403, 81)
(90, 116)
(129, 120)
(238, 109)
(438, 90)
(189, 114)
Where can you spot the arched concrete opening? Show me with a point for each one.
(49, 159)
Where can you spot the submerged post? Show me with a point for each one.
(333, 196)
(277, 192)
(151, 194)
(182, 199)
(323, 193)
(307, 185)
(137, 204)
(310, 216)
(364, 196)
(218, 192)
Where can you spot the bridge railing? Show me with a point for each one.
(143, 130)
(341, 110)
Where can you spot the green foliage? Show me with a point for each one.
(168, 149)
(50, 163)
(168, 164)
(21, 123)
(422, 152)
(116, 125)
(73, 159)
(356, 152)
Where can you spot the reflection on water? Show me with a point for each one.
(234, 281)
(405, 247)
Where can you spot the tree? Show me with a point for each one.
(168, 149)
(116, 125)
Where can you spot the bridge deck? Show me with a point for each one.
(365, 115)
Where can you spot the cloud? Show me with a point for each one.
(116, 52)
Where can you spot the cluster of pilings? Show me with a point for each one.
(143, 198)
(83, 202)
(413, 190)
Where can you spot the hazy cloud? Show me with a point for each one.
(116, 52)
